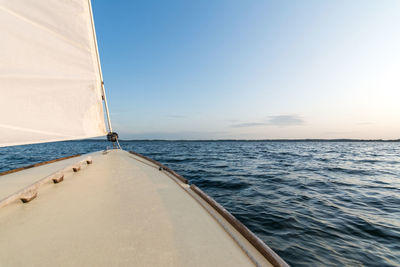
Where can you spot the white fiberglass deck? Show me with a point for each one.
(120, 210)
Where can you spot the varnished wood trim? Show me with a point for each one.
(28, 196)
(76, 168)
(266, 251)
(162, 167)
(58, 178)
(37, 164)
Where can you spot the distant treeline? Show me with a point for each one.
(251, 140)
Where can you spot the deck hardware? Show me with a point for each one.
(76, 168)
(28, 196)
(112, 137)
(58, 178)
(30, 192)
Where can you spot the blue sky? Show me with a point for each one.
(251, 69)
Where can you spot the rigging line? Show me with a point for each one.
(99, 65)
(118, 145)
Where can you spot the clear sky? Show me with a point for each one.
(251, 69)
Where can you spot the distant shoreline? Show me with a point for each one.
(250, 140)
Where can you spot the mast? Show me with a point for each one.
(111, 136)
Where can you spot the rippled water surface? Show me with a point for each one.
(314, 203)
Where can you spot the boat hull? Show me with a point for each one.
(123, 209)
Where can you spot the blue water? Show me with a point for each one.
(314, 203)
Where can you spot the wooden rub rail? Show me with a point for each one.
(162, 167)
(266, 251)
(30, 192)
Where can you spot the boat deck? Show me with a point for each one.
(119, 210)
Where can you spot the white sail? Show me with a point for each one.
(50, 81)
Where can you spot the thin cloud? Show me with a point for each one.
(176, 116)
(248, 124)
(177, 135)
(280, 120)
(285, 120)
(365, 123)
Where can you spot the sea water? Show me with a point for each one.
(314, 203)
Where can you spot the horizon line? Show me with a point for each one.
(260, 140)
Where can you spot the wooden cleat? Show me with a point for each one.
(27, 197)
(58, 179)
(76, 168)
